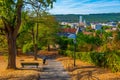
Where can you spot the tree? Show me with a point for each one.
(118, 26)
(88, 42)
(50, 32)
(11, 14)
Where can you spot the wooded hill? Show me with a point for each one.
(105, 17)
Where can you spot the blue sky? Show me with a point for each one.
(85, 6)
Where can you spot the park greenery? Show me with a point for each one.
(17, 13)
(103, 17)
(101, 49)
(26, 25)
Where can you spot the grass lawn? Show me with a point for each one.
(21, 73)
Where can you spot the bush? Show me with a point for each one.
(98, 58)
(109, 60)
(27, 47)
(112, 61)
(69, 53)
(66, 52)
(61, 52)
(84, 56)
(44, 48)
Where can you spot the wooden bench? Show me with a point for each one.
(30, 64)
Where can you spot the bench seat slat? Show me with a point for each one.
(29, 63)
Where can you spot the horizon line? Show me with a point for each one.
(87, 14)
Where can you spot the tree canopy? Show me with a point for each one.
(11, 16)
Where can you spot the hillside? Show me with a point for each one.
(88, 18)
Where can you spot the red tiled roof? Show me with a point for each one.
(87, 33)
(69, 30)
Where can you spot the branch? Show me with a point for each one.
(31, 3)
(2, 34)
(18, 17)
(2, 31)
(6, 24)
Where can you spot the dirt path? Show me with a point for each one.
(53, 70)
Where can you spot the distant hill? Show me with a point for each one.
(105, 17)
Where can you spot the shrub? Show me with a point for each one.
(109, 60)
(61, 52)
(98, 58)
(69, 53)
(27, 47)
(44, 48)
(66, 52)
(112, 61)
(85, 56)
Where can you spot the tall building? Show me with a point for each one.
(80, 19)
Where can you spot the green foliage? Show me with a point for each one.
(63, 42)
(48, 30)
(66, 52)
(106, 27)
(67, 26)
(89, 18)
(98, 58)
(112, 61)
(118, 26)
(69, 53)
(109, 60)
(27, 47)
(87, 42)
(3, 42)
(85, 56)
(11, 15)
(61, 52)
(70, 47)
(44, 48)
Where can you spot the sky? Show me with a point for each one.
(85, 6)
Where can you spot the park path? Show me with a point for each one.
(53, 71)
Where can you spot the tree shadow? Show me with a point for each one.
(116, 78)
(72, 68)
(88, 74)
(22, 77)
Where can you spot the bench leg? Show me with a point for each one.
(37, 66)
(22, 66)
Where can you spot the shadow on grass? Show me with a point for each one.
(22, 77)
(72, 68)
(86, 75)
(117, 78)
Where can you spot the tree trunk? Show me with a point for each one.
(35, 52)
(48, 47)
(36, 37)
(11, 51)
(34, 44)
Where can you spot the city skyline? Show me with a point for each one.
(85, 6)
